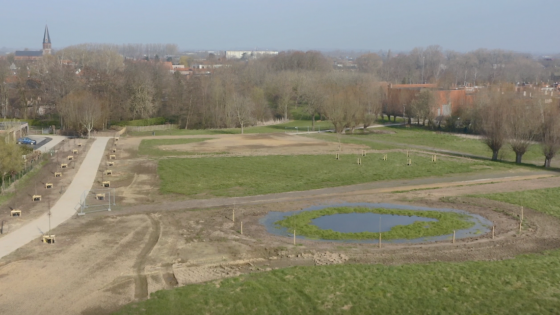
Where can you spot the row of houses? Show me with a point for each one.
(448, 102)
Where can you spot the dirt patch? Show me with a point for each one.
(253, 144)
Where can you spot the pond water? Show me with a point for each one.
(364, 222)
(370, 222)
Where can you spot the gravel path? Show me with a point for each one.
(65, 206)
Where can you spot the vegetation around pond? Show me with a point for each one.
(446, 223)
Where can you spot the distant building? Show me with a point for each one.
(31, 55)
(248, 54)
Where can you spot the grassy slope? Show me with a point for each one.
(149, 146)
(543, 200)
(525, 285)
(243, 176)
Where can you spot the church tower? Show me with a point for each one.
(46, 42)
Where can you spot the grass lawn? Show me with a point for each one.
(446, 223)
(150, 146)
(543, 200)
(244, 176)
(353, 140)
(301, 125)
(524, 285)
(420, 136)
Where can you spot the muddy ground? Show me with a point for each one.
(104, 260)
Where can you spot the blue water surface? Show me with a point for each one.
(364, 222)
(360, 222)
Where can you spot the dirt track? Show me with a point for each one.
(107, 259)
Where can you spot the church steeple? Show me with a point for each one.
(46, 42)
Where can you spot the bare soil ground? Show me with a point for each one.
(22, 199)
(104, 260)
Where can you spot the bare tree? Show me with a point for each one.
(521, 126)
(492, 110)
(81, 111)
(550, 132)
(242, 109)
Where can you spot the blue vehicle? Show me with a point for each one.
(26, 141)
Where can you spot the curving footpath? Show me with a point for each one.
(64, 208)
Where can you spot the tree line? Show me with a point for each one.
(100, 86)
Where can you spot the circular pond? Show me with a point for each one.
(362, 222)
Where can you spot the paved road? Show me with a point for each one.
(46, 143)
(64, 208)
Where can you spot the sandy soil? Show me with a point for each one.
(260, 144)
(22, 200)
(104, 260)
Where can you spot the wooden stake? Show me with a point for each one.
(241, 227)
(453, 237)
(294, 237)
(492, 232)
(521, 213)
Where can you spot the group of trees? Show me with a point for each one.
(505, 118)
(101, 86)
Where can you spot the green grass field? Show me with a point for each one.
(524, 285)
(244, 176)
(302, 125)
(423, 137)
(446, 223)
(150, 146)
(543, 200)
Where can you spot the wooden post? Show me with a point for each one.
(492, 231)
(337, 157)
(521, 213)
(241, 227)
(294, 237)
(453, 237)
(359, 161)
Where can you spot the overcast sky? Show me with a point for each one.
(527, 26)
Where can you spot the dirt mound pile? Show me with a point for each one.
(189, 275)
(328, 258)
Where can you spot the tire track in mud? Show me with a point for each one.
(140, 280)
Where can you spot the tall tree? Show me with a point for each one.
(550, 132)
(492, 108)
